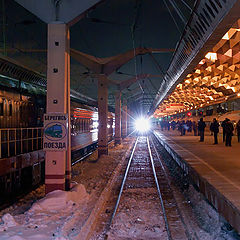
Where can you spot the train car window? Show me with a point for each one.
(1, 109)
(10, 109)
(21, 112)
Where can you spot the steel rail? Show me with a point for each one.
(159, 193)
(123, 182)
(169, 185)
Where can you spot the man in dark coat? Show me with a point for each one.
(229, 132)
(201, 128)
(194, 126)
(215, 129)
(238, 130)
(223, 126)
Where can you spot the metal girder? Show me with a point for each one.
(58, 10)
(205, 28)
(109, 65)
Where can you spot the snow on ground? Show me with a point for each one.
(60, 214)
(49, 218)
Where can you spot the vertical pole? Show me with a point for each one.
(111, 127)
(124, 121)
(57, 100)
(32, 139)
(15, 144)
(4, 27)
(68, 160)
(214, 109)
(8, 141)
(21, 139)
(37, 148)
(0, 143)
(229, 106)
(118, 118)
(102, 115)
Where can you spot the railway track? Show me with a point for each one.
(146, 207)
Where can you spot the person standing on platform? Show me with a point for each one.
(168, 125)
(238, 130)
(214, 127)
(201, 128)
(161, 124)
(194, 126)
(224, 132)
(229, 132)
(211, 127)
(183, 128)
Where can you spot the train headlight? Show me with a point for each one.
(142, 125)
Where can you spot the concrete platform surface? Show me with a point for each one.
(215, 169)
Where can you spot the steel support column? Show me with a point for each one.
(68, 160)
(128, 121)
(124, 121)
(102, 115)
(215, 109)
(58, 101)
(118, 138)
(230, 106)
(110, 129)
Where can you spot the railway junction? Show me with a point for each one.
(100, 108)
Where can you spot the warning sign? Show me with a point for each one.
(55, 132)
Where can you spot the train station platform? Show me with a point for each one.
(215, 169)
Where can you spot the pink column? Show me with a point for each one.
(58, 101)
(68, 160)
(118, 138)
(124, 121)
(102, 115)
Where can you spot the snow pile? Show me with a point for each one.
(61, 200)
(48, 218)
(8, 221)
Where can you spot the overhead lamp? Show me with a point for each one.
(202, 62)
(211, 56)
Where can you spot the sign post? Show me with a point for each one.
(55, 132)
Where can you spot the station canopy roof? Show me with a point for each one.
(110, 28)
(214, 80)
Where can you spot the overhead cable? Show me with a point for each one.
(186, 5)
(182, 17)
(172, 17)
(133, 28)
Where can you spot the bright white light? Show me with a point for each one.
(142, 125)
(95, 124)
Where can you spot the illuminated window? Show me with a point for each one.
(10, 109)
(1, 109)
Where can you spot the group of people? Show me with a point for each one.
(182, 126)
(228, 129)
(199, 129)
